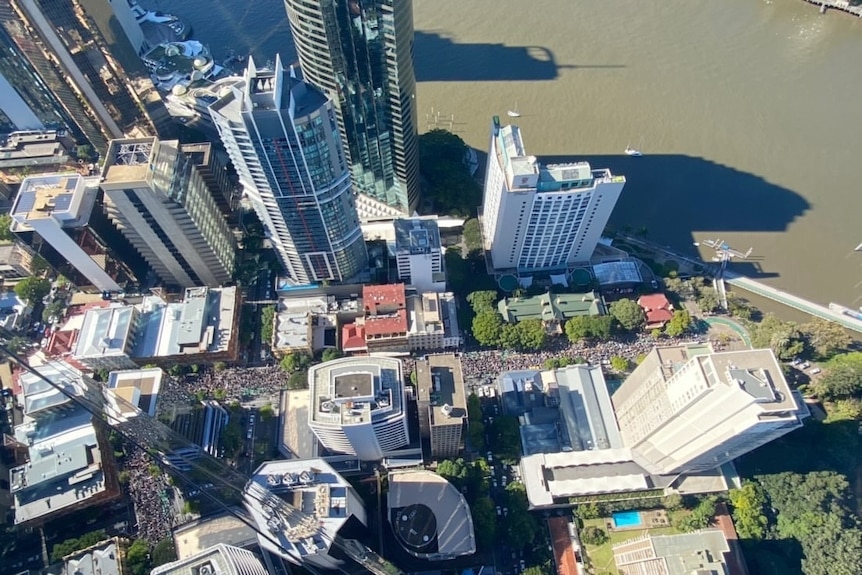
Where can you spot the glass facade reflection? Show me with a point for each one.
(360, 53)
(282, 137)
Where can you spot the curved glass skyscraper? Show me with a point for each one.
(282, 137)
(360, 53)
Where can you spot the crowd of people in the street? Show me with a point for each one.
(149, 495)
(229, 384)
(487, 364)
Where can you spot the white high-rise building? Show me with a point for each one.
(282, 136)
(686, 409)
(358, 406)
(219, 559)
(542, 218)
(419, 255)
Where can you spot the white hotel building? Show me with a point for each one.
(542, 217)
(358, 406)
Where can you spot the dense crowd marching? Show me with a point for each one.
(486, 365)
(233, 383)
(149, 497)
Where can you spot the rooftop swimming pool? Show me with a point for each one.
(625, 519)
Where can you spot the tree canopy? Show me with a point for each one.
(267, 324)
(484, 522)
(520, 526)
(628, 313)
(32, 289)
(679, 324)
(69, 546)
(505, 437)
(749, 504)
(526, 335)
(483, 300)
(295, 362)
(842, 378)
(825, 337)
(620, 363)
(487, 327)
(599, 327)
(815, 509)
(442, 163)
(782, 337)
(473, 235)
(6, 234)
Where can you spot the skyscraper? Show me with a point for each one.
(157, 198)
(360, 54)
(541, 218)
(687, 409)
(282, 138)
(83, 55)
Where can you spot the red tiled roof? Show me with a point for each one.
(564, 555)
(387, 324)
(61, 342)
(656, 307)
(352, 337)
(385, 296)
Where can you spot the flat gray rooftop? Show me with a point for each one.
(354, 385)
(455, 534)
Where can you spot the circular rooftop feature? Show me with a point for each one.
(581, 277)
(416, 527)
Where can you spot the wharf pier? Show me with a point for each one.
(843, 5)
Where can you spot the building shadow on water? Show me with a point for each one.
(682, 199)
(438, 58)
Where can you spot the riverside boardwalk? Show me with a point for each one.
(843, 5)
(793, 301)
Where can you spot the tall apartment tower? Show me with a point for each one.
(541, 218)
(360, 54)
(59, 216)
(687, 409)
(359, 406)
(80, 60)
(155, 195)
(282, 137)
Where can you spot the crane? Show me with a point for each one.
(193, 466)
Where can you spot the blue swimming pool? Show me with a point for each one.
(623, 519)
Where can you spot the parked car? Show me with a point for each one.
(805, 365)
(499, 511)
(815, 371)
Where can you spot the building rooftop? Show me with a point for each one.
(297, 438)
(106, 331)
(129, 160)
(67, 198)
(551, 306)
(440, 382)
(220, 559)
(34, 147)
(202, 323)
(311, 486)
(147, 382)
(585, 407)
(657, 308)
(101, 559)
(40, 395)
(355, 390)
(416, 235)
(353, 337)
(293, 321)
(390, 324)
(197, 536)
(699, 553)
(562, 538)
(65, 462)
(449, 534)
(380, 298)
(619, 272)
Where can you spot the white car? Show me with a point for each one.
(499, 511)
(805, 365)
(490, 457)
(815, 371)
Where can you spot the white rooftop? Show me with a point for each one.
(354, 390)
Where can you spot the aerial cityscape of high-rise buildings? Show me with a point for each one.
(234, 340)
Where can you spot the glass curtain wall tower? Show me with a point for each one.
(282, 137)
(360, 54)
